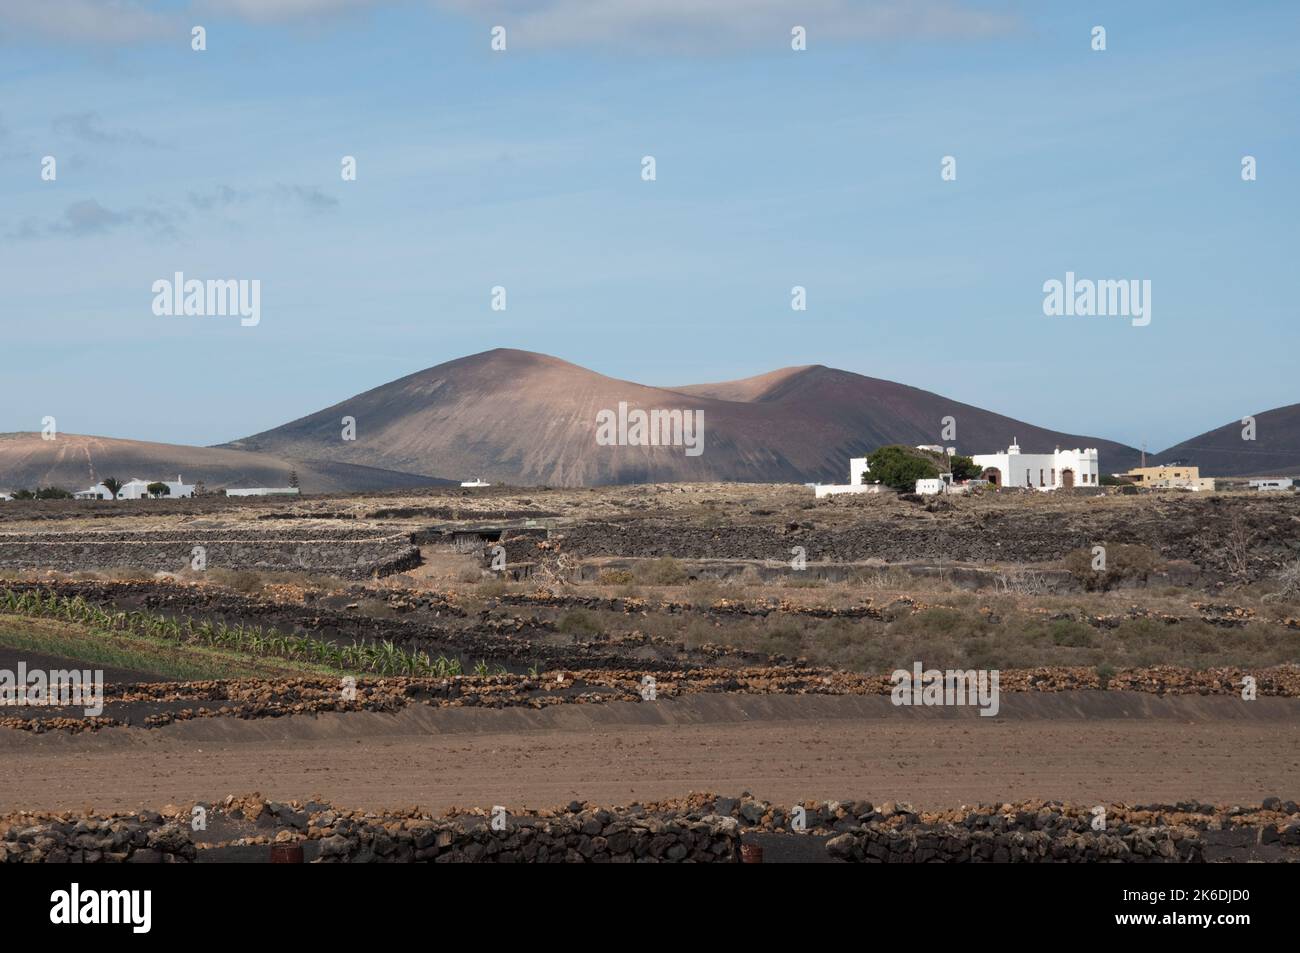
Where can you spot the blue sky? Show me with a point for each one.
(522, 169)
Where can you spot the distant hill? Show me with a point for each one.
(526, 418)
(1275, 451)
(75, 461)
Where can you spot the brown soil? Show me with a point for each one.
(1093, 746)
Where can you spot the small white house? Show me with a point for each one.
(478, 481)
(137, 489)
(264, 491)
(1061, 469)
(6, 498)
(1272, 483)
(858, 471)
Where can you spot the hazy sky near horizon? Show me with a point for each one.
(522, 169)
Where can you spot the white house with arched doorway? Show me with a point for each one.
(1061, 469)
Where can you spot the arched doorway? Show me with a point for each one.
(993, 475)
(1067, 478)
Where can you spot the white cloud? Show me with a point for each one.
(698, 25)
(88, 127)
(89, 217)
(114, 22)
(702, 25)
(126, 22)
(271, 11)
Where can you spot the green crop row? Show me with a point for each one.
(381, 658)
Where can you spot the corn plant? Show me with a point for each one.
(384, 657)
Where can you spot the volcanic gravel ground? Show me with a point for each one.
(1197, 530)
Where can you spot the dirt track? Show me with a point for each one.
(1089, 746)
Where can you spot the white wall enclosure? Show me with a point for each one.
(858, 471)
(1272, 483)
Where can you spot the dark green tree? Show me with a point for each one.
(964, 468)
(900, 467)
(112, 484)
(157, 489)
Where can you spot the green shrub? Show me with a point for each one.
(900, 467)
(1070, 634)
(579, 622)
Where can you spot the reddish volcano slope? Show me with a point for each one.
(520, 417)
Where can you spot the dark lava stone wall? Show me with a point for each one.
(346, 553)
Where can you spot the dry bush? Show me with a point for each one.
(1124, 561)
(492, 586)
(376, 609)
(664, 571)
(1021, 582)
(1236, 545)
(802, 582)
(785, 638)
(889, 579)
(1288, 583)
(241, 580)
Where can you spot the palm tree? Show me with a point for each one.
(112, 484)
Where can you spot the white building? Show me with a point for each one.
(5, 498)
(137, 489)
(264, 491)
(858, 471)
(1061, 469)
(1272, 483)
(940, 484)
(475, 482)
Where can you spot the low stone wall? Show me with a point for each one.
(597, 836)
(699, 828)
(956, 845)
(1045, 580)
(140, 839)
(348, 554)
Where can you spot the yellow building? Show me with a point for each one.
(1176, 477)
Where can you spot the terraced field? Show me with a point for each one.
(632, 644)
